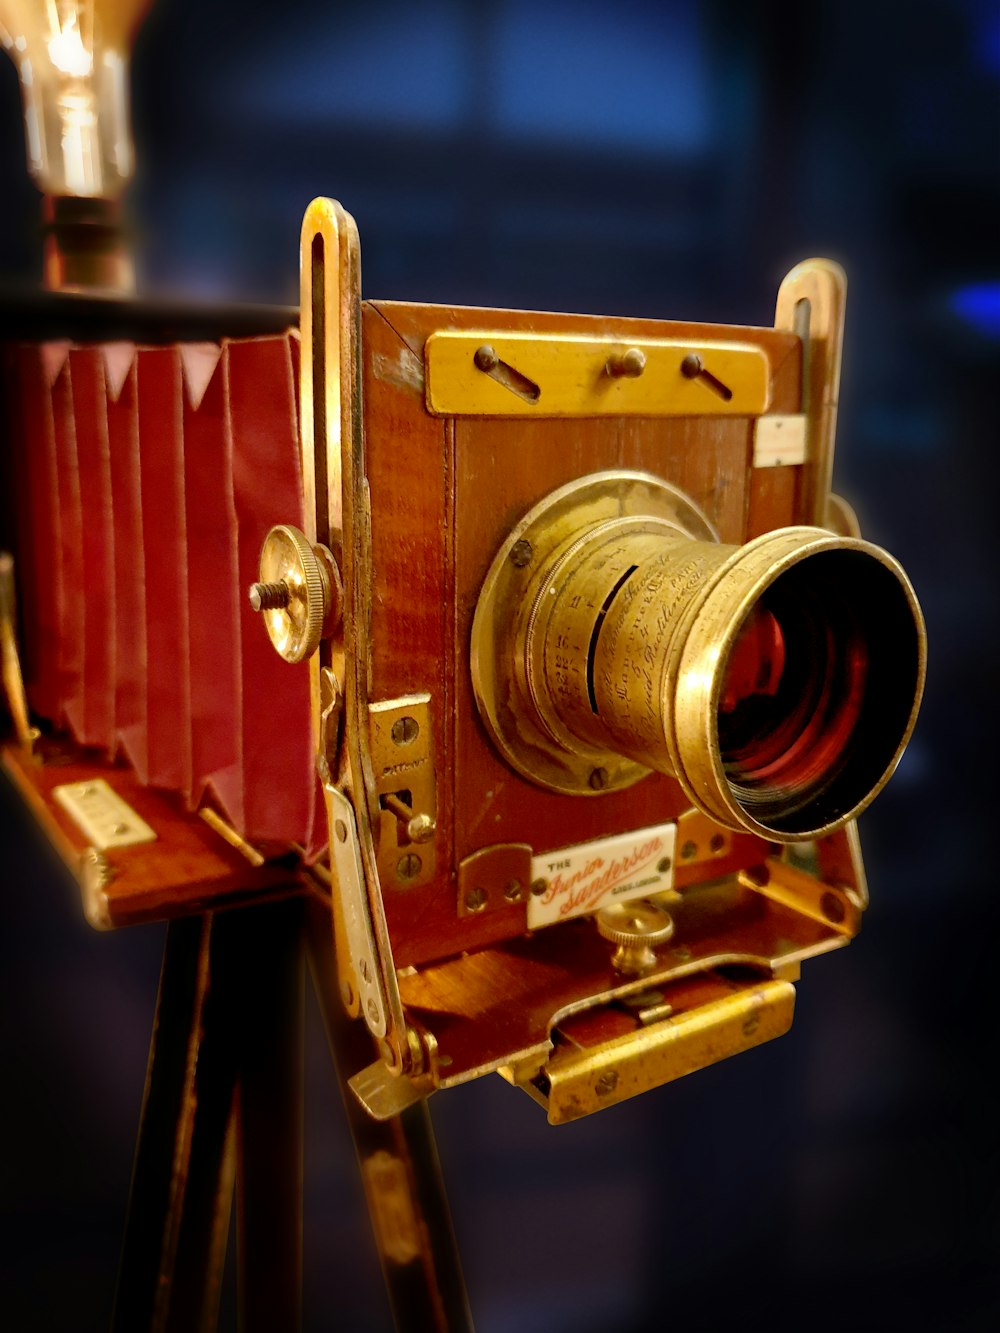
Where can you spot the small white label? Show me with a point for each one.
(102, 815)
(779, 440)
(587, 877)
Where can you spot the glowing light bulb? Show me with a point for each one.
(72, 56)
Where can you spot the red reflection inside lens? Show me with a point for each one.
(756, 661)
(791, 698)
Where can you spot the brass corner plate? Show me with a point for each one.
(494, 372)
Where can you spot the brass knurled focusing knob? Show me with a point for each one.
(298, 593)
(637, 928)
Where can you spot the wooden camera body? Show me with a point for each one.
(513, 593)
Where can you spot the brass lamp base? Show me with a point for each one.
(85, 246)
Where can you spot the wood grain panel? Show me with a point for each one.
(444, 494)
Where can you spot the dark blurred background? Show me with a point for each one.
(669, 159)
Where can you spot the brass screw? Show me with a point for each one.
(475, 900)
(269, 596)
(409, 866)
(538, 887)
(598, 779)
(513, 891)
(629, 364)
(606, 1083)
(664, 865)
(340, 829)
(485, 358)
(688, 850)
(691, 366)
(521, 553)
(405, 730)
(717, 842)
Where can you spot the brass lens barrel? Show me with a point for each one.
(778, 681)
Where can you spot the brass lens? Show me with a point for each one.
(778, 681)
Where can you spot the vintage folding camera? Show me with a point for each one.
(590, 670)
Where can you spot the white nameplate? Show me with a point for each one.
(102, 815)
(591, 875)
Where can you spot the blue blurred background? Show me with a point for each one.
(664, 159)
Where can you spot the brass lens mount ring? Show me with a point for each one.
(777, 681)
(513, 605)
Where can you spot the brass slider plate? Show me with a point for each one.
(498, 373)
(583, 1081)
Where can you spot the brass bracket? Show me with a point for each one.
(700, 839)
(385, 1094)
(493, 878)
(494, 372)
(828, 904)
(811, 302)
(403, 769)
(353, 906)
(337, 517)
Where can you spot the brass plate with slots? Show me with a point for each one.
(499, 373)
(403, 763)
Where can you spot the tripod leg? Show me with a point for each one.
(399, 1168)
(179, 1204)
(269, 1116)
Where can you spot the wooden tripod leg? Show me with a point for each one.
(399, 1169)
(179, 1204)
(269, 1118)
(225, 1070)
